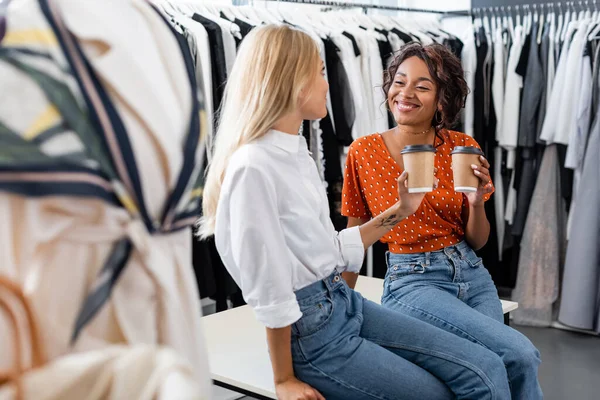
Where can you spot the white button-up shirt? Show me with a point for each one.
(273, 229)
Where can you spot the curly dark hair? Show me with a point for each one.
(447, 72)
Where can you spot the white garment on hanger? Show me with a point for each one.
(512, 96)
(567, 114)
(555, 103)
(205, 68)
(498, 97)
(380, 118)
(510, 114)
(228, 30)
(576, 148)
(498, 79)
(469, 64)
(351, 64)
(395, 41)
(551, 59)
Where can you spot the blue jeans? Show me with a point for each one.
(350, 348)
(452, 290)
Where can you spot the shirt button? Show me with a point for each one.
(336, 278)
(396, 268)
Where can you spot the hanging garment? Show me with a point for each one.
(579, 306)
(577, 139)
(567, 118)
(380, 114)
(551, 65)
(469, 64)
(555, 103)
(341, 95)
(101, 155)
(540, 258)
(530, 68)
(217, 58)
(230, 32)
(544, 53)
(510, 125)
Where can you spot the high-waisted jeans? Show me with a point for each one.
(350, 348)
(451, 289)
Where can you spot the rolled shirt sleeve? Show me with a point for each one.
(351, 248)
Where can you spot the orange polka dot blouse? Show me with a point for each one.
(370, 188)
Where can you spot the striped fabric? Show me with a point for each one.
(69, 139)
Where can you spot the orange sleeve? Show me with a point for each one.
(353, 203)
(469, 141)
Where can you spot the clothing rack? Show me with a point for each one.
(539, 7)
(346, 4)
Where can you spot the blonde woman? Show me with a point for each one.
(268, 209)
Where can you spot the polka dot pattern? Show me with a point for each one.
(369, 191)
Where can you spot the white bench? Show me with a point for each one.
(237, 345)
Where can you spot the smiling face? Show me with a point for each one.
(412, 97)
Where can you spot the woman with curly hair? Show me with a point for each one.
(433, 272)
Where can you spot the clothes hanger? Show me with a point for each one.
(559, 23)
(541, 26)
(492, 20)
(511, 22)
(588, 13)
(567, 22)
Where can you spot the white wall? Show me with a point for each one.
(455, 25)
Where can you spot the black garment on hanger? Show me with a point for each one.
(245, 27)
(479, 90)
(385, 49)
(534, 85)
(354, 43)
(530, 68)
(406, 38)
(203, 268)
(333, 173)
(544, 51)
(342, 102)
(455, 45)
(485, 122)
(217, 56)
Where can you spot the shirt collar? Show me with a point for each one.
(285, 141)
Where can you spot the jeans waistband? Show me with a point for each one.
(425, 258)
(330, 283)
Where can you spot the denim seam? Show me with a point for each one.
(473, 368)
(340, 382)
(466, 335)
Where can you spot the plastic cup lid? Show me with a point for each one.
(467, 150)
(418, 148)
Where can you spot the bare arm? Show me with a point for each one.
(372, 230)
(477, 229)
(286, 384)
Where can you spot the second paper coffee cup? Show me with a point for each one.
(463, 157)
(419, 163)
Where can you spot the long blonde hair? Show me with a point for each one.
(274, 63)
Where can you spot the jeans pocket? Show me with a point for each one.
(398, 271)
(473, 259)
(315, 316)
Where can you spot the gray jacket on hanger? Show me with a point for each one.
(580, 300)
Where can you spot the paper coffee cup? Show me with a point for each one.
(465, 180)
(419, 163)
